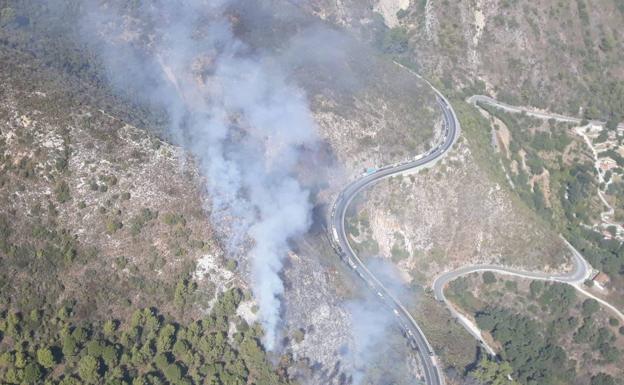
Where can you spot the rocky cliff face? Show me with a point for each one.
(453, 215)
(477, 44)
(487, 40)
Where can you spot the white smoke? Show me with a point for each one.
(235, 110)
(374, 327)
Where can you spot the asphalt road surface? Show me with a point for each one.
(433, 376)
(415, 335)
(582, 271)
(482, 99)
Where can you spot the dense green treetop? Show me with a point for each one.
(54, 347)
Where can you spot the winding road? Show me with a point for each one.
(409, 325)
(476, 99)
(606, 216)
(582, 269)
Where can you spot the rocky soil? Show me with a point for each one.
(139, 203)
(453, 215)
(130, 202)
(483, 41)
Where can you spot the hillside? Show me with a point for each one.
(103, 223)
(531, 41)
(108, 217)
(167, 172)
(507, 190)
(476, 45)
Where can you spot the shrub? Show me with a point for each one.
(173, 373)
(112, 225)
(602, 379)
(590, 306)
(7, 15)
(32, 373)
(395, 40)
(536, 288)
(172, 219)
(298, 335)
(89, 368)
(138, 222)
(488, 277)
(46, 358)
(231, 264)
(62, 192)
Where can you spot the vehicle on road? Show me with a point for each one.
(416, 339)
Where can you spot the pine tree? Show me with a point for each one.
(46, 358)
(89, 368)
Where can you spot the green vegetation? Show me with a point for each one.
(537, 326)
(450, 340)
(184, 289)
(231, 264)
(68, 308)
(394, 41)
(559, 185)
(399, 251)
(586, 35)
(534, 357)
(43, 35)
(557, 298)
(55, 347)
(112, 225)
(138, 222)
(590, 306)
(536, 288)
(537, 148)
(360, 225)
(460, 294)
(602, 379)
(173, 219)
(572, 184)
(62, 192)
(476, 129)
(488, 277)
(493, 373)
(605, 254)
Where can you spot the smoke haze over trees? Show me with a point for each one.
(233, 108)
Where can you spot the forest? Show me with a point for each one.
(54, 347)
